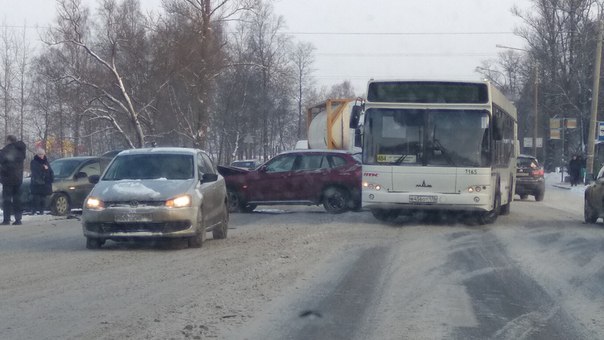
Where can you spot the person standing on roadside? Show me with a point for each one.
(12, 157)
(42, 177)
(574, 170)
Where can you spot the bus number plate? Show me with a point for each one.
(423, 199)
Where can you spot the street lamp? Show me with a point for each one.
(536, 99)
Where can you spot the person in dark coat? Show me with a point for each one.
(574, 170)
(41, 181)
(11, 176)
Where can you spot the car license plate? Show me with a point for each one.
(425, 199)
(132, 217)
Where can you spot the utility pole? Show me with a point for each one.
(594, 104)
(536, 122)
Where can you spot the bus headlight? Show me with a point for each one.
(372, 186)
(476, 188)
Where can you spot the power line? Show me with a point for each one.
(398, 55)
(399, 33)
(22, 26)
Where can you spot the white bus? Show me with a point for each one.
(437, 145)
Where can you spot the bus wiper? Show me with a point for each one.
(444, 152)
(400, 159)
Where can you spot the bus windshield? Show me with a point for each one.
(420, 137)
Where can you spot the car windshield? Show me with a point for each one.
(151, 166)
(65, 167)
(525, 162)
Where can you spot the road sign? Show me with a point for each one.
(528, 142)
(539, 142)
(554, 133)
(601, 131)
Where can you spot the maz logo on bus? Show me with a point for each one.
(424, 185)
(370, 174)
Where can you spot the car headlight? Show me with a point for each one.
(179, 202)
(94, 203)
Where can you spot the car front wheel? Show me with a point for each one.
(588, 213)
(221, 230)
(233, 200)
(60, 205)
(197, 240)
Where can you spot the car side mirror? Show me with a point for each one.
(209, 178)
(80, 174)
(94, 179)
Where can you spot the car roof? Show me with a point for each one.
(307, 151)
(76, 158)
(143, 151)
(526, 156)
(246, 160)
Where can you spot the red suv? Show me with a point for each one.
(306, 177)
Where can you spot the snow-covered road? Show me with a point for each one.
(299, 273)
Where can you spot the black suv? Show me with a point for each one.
(529, 177)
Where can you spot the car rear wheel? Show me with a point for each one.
(60, 205)
(539, 196)
(588, 213)
(523, 196)
(221, 230)
(94, 243)
(335, 200)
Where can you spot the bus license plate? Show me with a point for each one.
(423, 199)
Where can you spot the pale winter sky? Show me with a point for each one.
(359, 39)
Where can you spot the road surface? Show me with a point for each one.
(300, 273)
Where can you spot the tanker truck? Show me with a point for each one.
(328, 126)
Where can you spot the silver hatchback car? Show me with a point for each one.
(156, 193)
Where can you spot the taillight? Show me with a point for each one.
(539, 172)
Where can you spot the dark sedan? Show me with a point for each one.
(305, 177)
(70, 186)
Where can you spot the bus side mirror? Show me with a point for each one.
(355, 116)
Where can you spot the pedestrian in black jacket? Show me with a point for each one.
(41, 181)
(11, 176)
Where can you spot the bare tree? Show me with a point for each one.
(8, 60)
(342, 90)
(115, 56)
(267, 49)
(560, 38)
(303, 59)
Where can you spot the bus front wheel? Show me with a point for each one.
(385, 215)
(490, 217)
